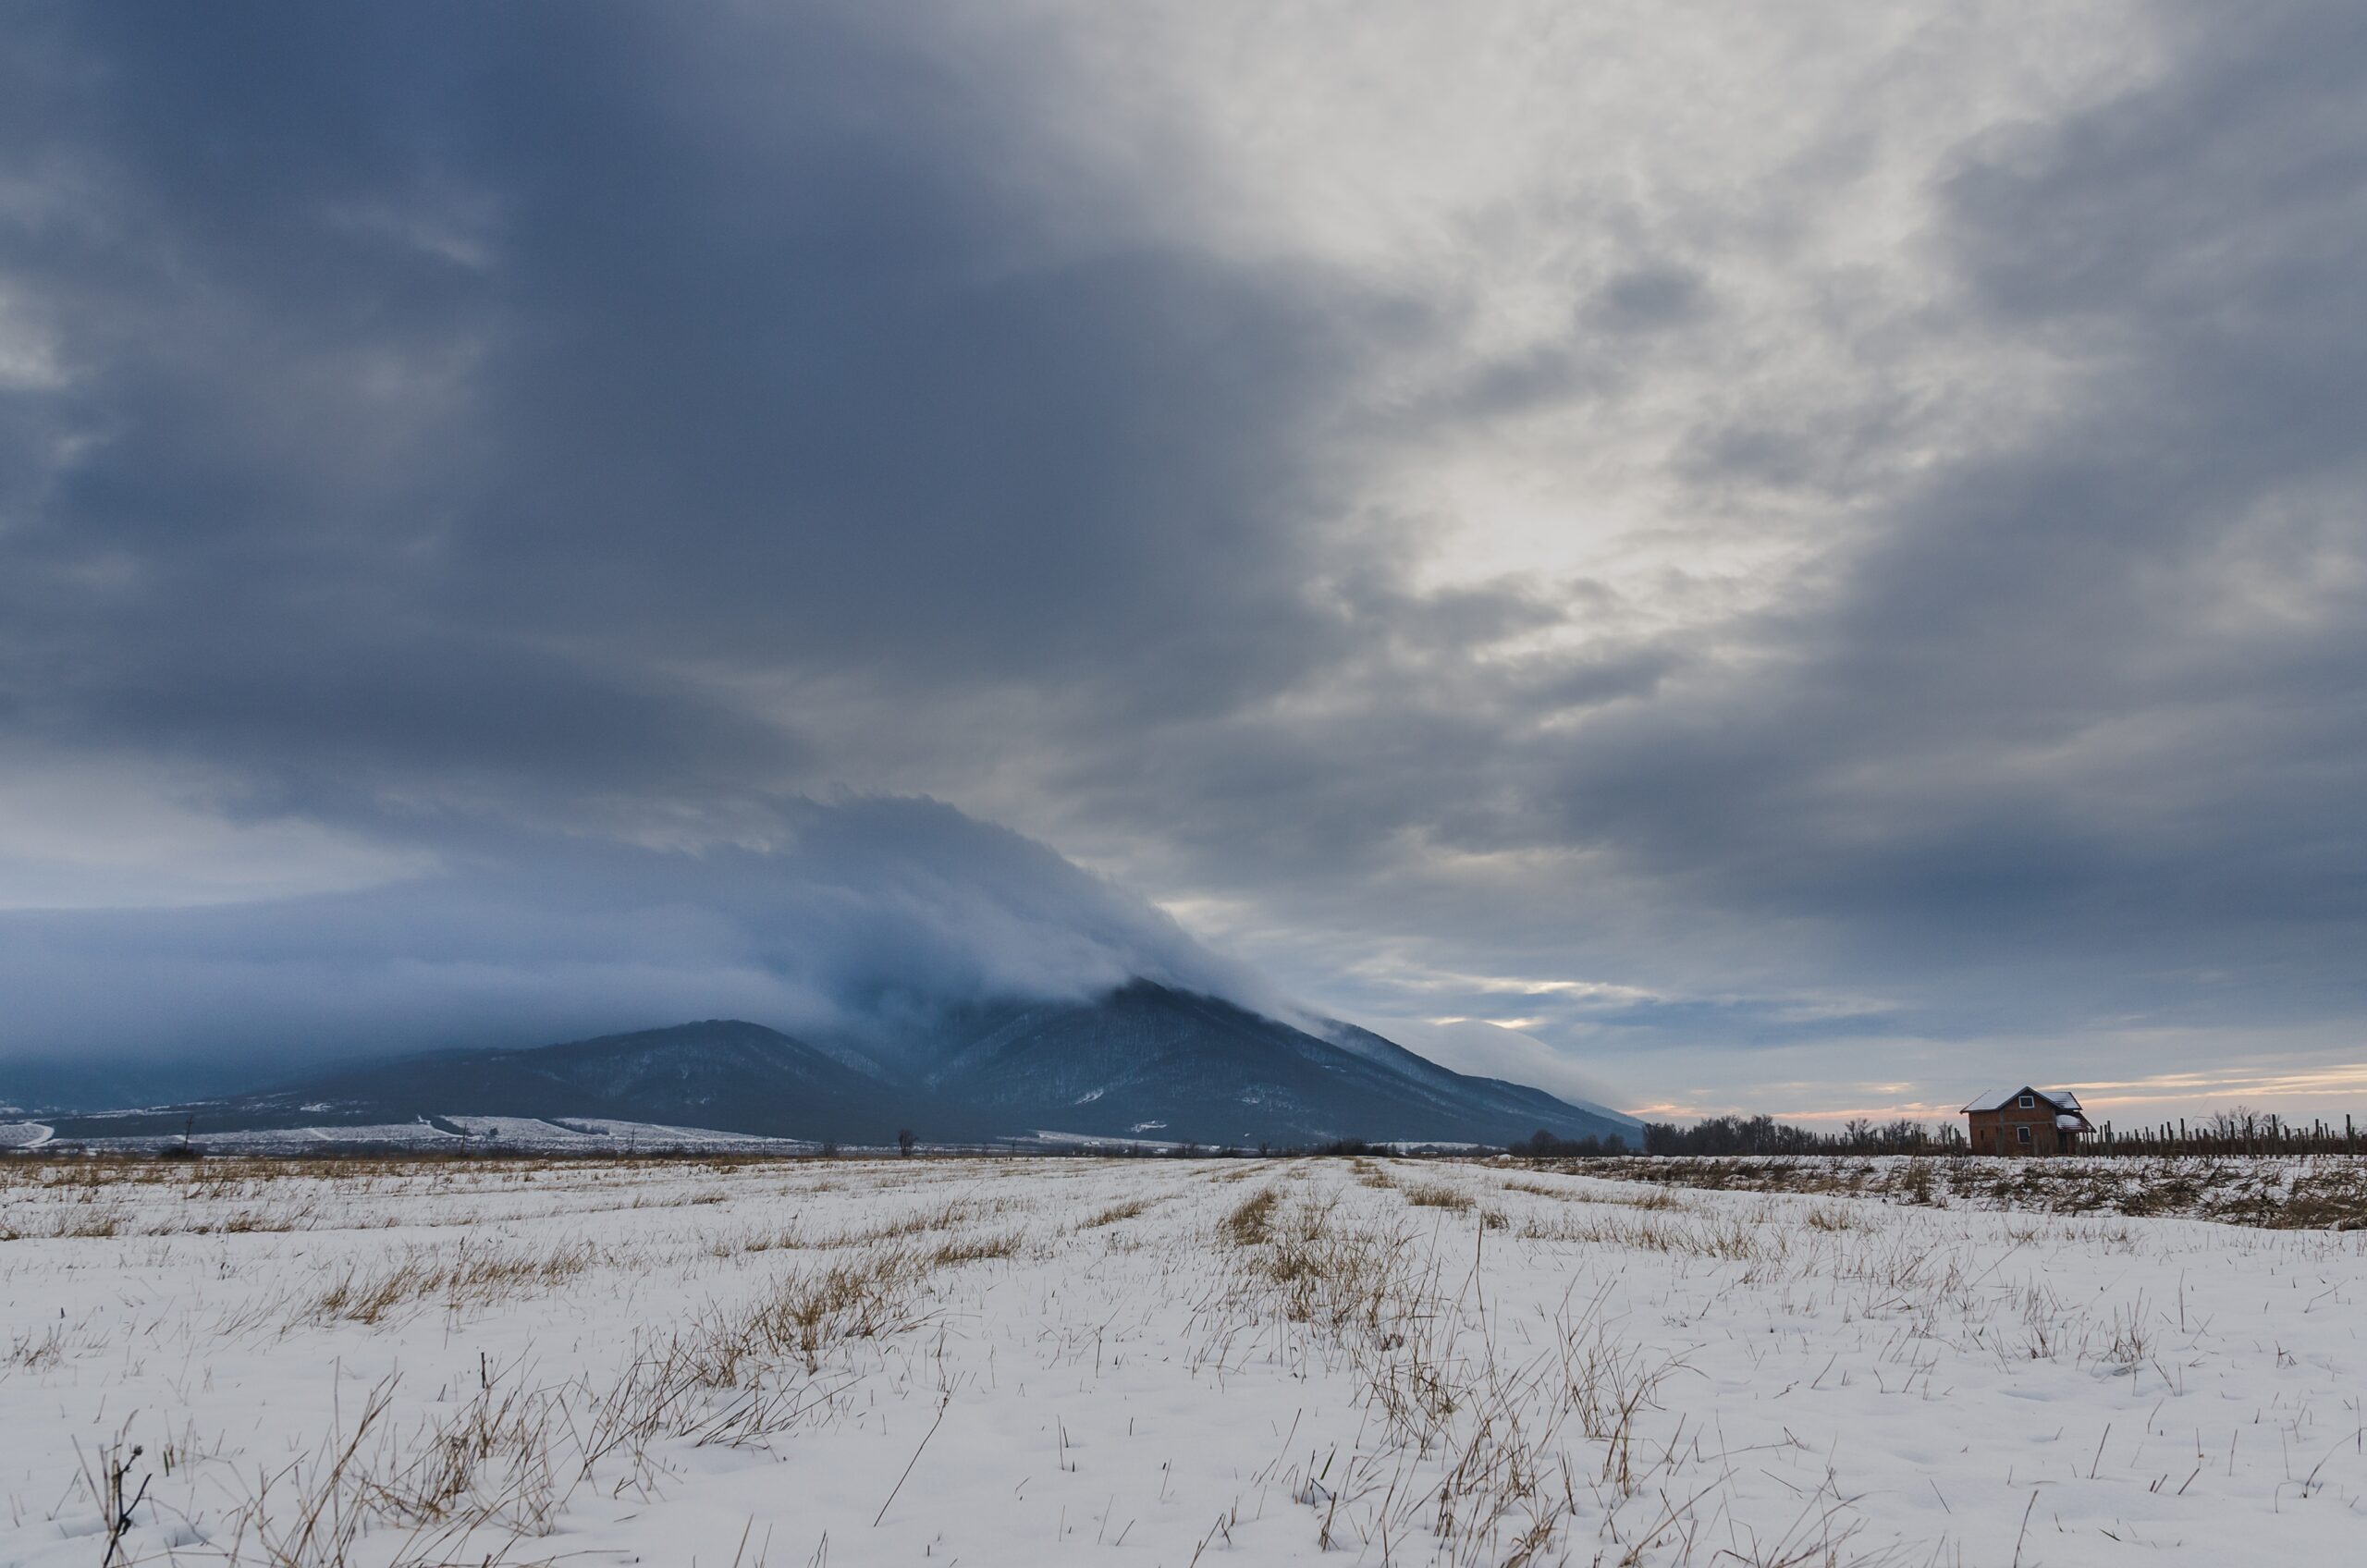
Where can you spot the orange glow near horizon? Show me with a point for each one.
(2303, 1092)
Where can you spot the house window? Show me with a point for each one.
(2022, 1133)
(2027, 1102)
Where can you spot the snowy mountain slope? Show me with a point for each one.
(730, 1076)
(1143, 1061)
(1151, 1059)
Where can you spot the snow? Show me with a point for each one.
(1095, 1140)
(583, 1135)
(647, 1135)
(1153, 1361)
(2297, 1191)
(392, 1132)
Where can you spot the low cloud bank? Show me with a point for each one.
(861, 913)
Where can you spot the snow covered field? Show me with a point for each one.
(2285, 1191)
(505, 1134)
(1160, 1362)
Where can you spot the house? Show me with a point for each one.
(2028, 1120)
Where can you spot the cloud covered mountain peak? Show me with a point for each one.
(854, 912)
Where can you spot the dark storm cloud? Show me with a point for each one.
(437, 366)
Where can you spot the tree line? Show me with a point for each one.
(2239, 1131)
(1755, 1134)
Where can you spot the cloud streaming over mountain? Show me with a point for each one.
(861, 913)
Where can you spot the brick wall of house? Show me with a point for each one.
(1994, 1131)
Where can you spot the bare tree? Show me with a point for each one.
(904, 1141)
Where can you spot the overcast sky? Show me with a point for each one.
(1810, 557)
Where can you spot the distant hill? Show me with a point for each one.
(1149, 1061)
(723, 1074)
(1142, 1062)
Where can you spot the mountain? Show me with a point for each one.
(1143, 1061)
(721, 1074)
(1150, 1062)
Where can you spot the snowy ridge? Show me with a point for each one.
(1144, 1058)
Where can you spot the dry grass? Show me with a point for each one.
(951, 1215)
(54, 1197)
(1437, 1195)
(1656, 1198)
(866, 1297)
(38, 1352)
(1132, 1209)
(1724, 1237)
(2277, 1193)
(1496, 1436)
(368, 1293)
(974, 1249)
(440, 1491)
(1251, 1223)
(774, 1238)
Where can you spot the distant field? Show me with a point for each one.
(2298, 1192)
(1162, 1362)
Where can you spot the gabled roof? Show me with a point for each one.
(2061, 1100)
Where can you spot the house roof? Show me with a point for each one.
(2061, 1100)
